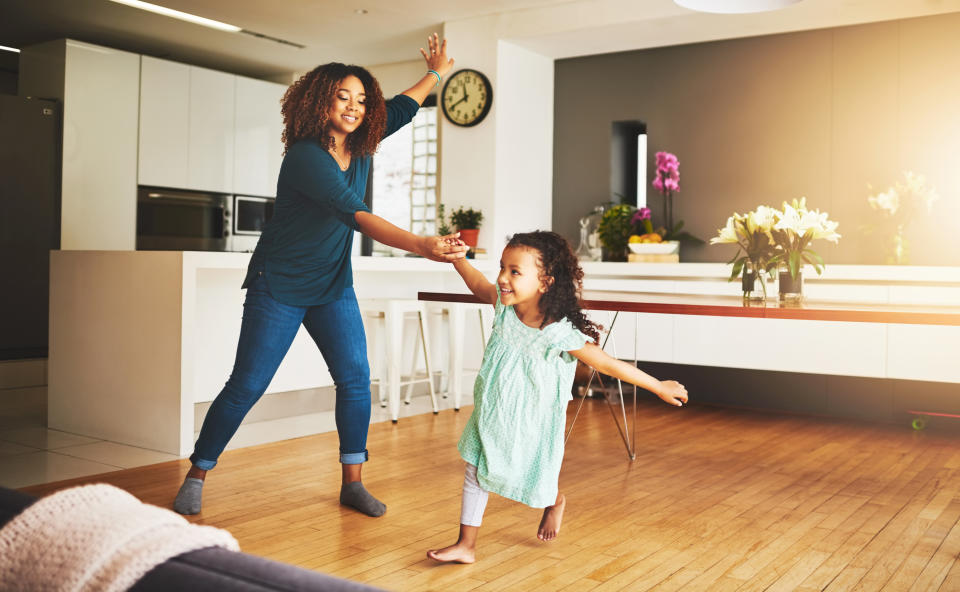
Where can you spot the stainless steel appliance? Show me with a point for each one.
(175, 220)
(248, 216)
(29, 221)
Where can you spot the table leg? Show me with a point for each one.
(628, 442)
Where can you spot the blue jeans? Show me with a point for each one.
(267, 330)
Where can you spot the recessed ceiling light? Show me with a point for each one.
(5, 48)
(361, 11)
(184, 16)
(734, 6)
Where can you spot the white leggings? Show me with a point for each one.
(474, 498)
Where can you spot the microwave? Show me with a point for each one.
(176, 220)
(247, 215)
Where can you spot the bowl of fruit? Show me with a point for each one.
(652, 244)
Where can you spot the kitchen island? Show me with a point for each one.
(138, 339)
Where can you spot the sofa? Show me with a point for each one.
(214, 568)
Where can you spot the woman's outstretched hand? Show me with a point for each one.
(436, 55)
(444, 248)
(672, 392)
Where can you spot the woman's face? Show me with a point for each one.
(347, 109)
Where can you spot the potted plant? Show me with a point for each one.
(756, 250)
(467, 222)
(615, 229)
(795, 227)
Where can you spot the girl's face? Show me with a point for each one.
(347, 109)
(519, 278)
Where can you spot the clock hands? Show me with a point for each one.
(461, 99)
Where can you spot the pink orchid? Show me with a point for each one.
(641, 214)
(667, 179)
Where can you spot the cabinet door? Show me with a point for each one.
(210, 166)
(164, 123)
(258, 145)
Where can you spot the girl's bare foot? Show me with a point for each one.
(458, 553)
(552, 516)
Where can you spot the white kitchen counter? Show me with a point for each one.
(137, 338)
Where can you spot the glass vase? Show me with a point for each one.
(790, 288)
(753, 282)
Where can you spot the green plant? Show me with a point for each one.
(615, 229)
(443, 228)
(795, 227)
(466, 218)
(752, 233)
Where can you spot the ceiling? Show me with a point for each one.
(393, 30)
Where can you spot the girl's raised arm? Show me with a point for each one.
(476, 282)
(670, 391)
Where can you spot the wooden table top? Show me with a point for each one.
(733, 306)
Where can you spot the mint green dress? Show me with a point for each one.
(515, 434)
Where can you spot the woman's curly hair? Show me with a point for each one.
(557, 261)
(307, 102)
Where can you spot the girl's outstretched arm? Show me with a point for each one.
(476, 281)
(670, 391)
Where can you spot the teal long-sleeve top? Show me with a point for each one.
(304, 251)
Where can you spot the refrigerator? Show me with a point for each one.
(30, 137)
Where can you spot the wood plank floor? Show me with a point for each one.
(717, 499)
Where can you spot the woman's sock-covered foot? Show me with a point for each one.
(453, 554)
(188, 500)
(356, 496)
(552, 517)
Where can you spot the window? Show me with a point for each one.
(405, 177)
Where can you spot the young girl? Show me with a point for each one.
(513, 441)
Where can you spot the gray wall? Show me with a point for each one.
(825, 114)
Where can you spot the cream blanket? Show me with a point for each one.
(95, 537)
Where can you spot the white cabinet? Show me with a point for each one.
(186, 126)
(210, 147)
(99, 88)
(258, 148)
(208, 130)
(164, 122)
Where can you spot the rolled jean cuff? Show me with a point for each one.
(354, 458)
(203, 465)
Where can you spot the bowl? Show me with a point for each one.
(664, 248)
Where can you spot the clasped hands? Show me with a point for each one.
(447, 248)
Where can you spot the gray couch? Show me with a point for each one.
(213, 568)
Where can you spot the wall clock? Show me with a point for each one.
(466, 97)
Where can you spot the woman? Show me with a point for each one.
(300, 273)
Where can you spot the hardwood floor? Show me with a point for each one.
(717, 499)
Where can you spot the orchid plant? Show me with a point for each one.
(753, 235)
(667, 182)
(795, 227)
(642, 221)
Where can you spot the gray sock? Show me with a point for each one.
(357, 497)
(188, 498)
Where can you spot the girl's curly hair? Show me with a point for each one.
(557, 261)
(307, 102)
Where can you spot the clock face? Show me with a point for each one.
(466, 97)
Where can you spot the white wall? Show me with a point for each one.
(399, 76)
(523, 188)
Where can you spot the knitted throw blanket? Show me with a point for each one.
(95, 537)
